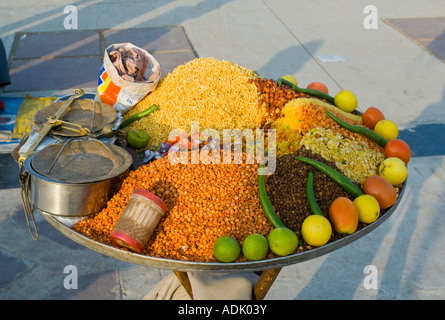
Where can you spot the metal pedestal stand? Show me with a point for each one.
(260, 289)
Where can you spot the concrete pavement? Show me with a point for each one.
(317, 40)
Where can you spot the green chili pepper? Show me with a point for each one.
(359, 129)
(139, 115)
(339, 178)
(311, 92)
(265, 202)
(313, 205)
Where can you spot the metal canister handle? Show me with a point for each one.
(24, 178)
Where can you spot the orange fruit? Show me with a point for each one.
(381, 189)
(318, 86)
(399, 149)
(343, 215)
(371, 116)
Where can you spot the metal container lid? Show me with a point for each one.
(81, 161)
(85, 113)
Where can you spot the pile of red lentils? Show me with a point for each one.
(204, 201)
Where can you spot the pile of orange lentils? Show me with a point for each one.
(204, 201)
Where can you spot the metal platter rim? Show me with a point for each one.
(191, 266)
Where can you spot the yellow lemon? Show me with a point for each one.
(316, 230)
(368, 208)
(226, 249)
(394, 170)
(346, 100)
(290, 78)
(387, 129)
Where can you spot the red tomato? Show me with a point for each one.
(381, 189)
(371, 116)
(399, 149)
(318, 86)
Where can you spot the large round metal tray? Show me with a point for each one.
(62, 224)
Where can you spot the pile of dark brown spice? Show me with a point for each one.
(286, 189)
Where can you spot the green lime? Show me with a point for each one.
(137, 138)
(255, 247)
(226, 249)
(282, 241)
(316, 230)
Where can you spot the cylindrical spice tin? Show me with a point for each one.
(137, 222)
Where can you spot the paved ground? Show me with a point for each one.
(398, 67)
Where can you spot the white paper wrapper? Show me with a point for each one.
(123, 94)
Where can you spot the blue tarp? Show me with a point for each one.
(7, 116)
